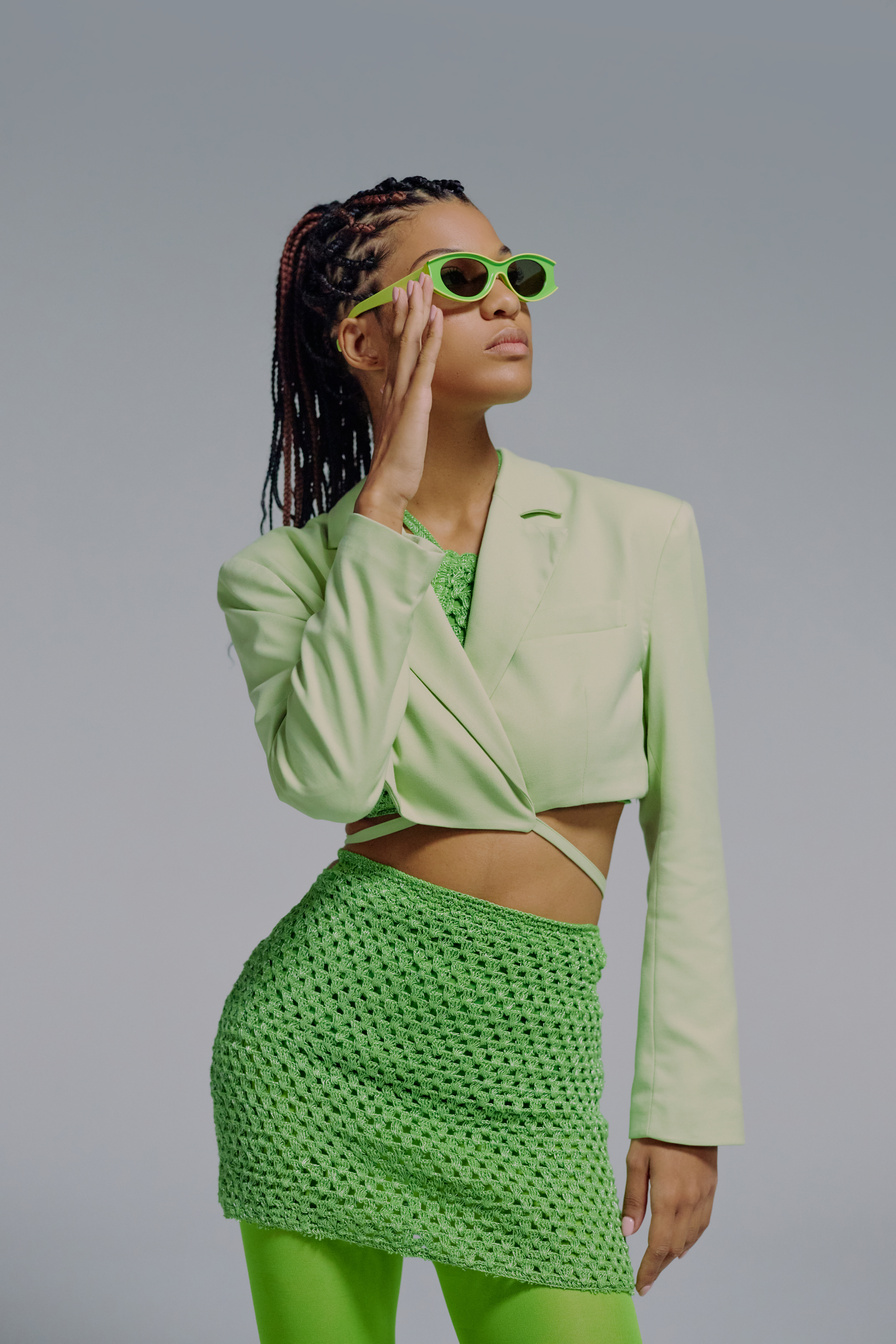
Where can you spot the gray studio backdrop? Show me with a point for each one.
(716, 184)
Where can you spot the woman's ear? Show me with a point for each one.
(362, 342)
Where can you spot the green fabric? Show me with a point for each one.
(453, 581)
(583, 678)
(306, 1290)
(336, 1292)
(410, 1067)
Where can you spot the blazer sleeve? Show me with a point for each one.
(326, 660)
(686, 1085)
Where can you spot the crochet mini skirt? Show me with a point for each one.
(405, 1066)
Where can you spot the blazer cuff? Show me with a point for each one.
(403, 560)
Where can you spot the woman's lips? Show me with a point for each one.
(510, 347)
(512, 339)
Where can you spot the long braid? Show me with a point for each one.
(323, 434)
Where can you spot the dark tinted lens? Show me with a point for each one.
(464, 277)
(528, 277)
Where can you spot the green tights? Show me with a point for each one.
(310, 1291)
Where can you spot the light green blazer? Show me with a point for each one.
(582, 679)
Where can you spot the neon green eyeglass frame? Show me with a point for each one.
(494, 269)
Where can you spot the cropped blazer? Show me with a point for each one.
(582, 679)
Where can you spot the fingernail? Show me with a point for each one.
(627, 1231)
(410, 288)
(645, 1291)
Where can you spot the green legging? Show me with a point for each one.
(310, 1291)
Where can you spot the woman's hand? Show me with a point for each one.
(683, 1181)
(402, 423)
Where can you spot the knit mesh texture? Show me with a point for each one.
(406, 1066)
(453, 583)
(453, 580)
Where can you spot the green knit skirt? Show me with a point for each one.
(406, 1066)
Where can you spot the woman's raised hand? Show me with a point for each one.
(402, 424)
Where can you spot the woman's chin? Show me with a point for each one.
(511, 382)
(512, 393)
(484, 393)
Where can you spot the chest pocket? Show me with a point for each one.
(575, 615)
(562, 680)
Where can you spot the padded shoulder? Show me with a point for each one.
(635, 507)
(634, 521)
(298, 556)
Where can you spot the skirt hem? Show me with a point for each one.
(331, 1229)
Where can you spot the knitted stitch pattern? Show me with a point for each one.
(406, 1066)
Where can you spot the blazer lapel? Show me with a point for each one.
(520, 546)
(523, 535)
(439, 660)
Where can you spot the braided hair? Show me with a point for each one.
(323, 432)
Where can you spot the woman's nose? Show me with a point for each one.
(501, 298)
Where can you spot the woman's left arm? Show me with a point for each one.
(686, 1095)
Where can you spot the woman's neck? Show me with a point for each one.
(458, 477)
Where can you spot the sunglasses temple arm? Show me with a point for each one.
(381, 297)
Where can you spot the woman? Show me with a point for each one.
(410, 1063)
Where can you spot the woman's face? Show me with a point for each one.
(470, 374)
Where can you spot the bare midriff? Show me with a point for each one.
(513, 868)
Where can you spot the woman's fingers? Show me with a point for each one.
(399, 313)
(673, 1231)
(682, 1180)
(410, 336)
(407, 333)
(429, 349)
(637, 1187)
(403, 427)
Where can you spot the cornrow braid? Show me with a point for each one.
(323, 434)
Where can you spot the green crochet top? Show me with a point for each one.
(453, 583)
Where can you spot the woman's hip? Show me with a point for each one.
(392, 979)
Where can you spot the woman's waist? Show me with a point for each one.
(514, 868)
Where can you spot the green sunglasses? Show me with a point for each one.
(467, 276)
